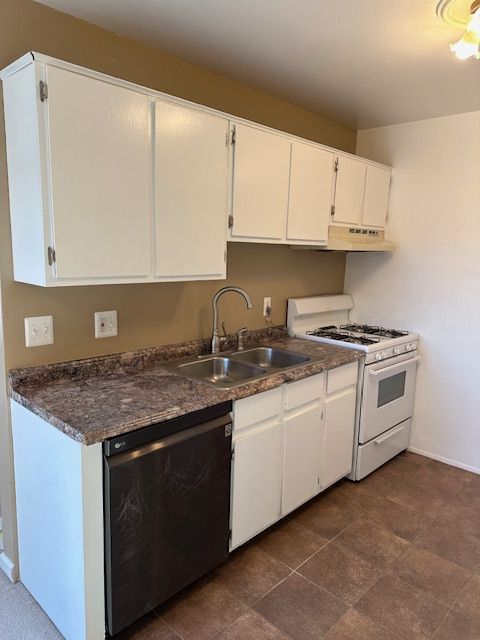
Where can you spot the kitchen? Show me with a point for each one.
(411, 288)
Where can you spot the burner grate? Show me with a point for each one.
(341, 336)
(372, 330)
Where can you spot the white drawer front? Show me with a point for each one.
(342, 377)
(372, 455)
(303, 391)
(257, 408)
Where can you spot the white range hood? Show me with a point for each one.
(352, 239)
(357, 239)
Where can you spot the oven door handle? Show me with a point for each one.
(377, 372)
(390, 434)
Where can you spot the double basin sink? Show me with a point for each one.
(228, 370)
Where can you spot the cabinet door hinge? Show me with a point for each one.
(332, 210)
(43, 88)
(52, 257)
(230, 222)
(233, 135)
(230, 534)
(233, 454)
(335, 167)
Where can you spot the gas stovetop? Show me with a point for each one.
(362, 334)
(326, 319)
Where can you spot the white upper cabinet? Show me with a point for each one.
(349, 190)
(260, 185)
(100, 158)
(361, 193)
(79, 162)
(110, 182)
(191, 187)
(377, 190)
(311, 193)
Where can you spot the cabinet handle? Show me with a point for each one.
(51, 255)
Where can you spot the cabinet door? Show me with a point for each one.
(191, 174)
(376, 197)
(101, 180)
(349, 190)
(304, 439)
(257, 482)
(260, 184)
(310, 197)
(339, 431)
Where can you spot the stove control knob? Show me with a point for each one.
(378, 356)
(397, 350)
(411, 346)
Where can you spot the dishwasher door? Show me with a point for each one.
(167, 507)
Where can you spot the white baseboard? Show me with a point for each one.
(453, 463)
(7, 566)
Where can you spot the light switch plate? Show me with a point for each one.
(38, 331)
(105, 324)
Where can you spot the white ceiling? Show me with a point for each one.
(365, 63)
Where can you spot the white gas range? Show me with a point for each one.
(386, 384)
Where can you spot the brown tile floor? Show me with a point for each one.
(394, 557)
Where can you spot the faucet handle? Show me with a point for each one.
(240, 334)
(224, 329)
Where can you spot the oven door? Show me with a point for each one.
(388, 391)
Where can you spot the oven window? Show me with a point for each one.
(391, 388)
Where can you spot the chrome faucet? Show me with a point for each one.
(216, 340)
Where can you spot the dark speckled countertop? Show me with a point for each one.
(98, 398)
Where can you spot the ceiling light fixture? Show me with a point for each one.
(456, 13)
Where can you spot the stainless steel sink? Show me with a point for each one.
(221, 371)
(270, 358)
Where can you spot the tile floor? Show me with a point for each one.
(395, 557)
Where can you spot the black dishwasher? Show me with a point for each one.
(167, 506)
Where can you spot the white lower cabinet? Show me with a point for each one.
(289, 444)
(257, 482)
(302, 469)
(339, 431)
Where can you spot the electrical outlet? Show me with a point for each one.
(38, 331)
(105, 324)
(267, 307)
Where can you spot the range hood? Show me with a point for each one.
(357, 239)
(352, 239)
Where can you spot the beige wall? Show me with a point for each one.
(154, 313)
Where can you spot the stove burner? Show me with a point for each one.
(377, 331)
(342, 336)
